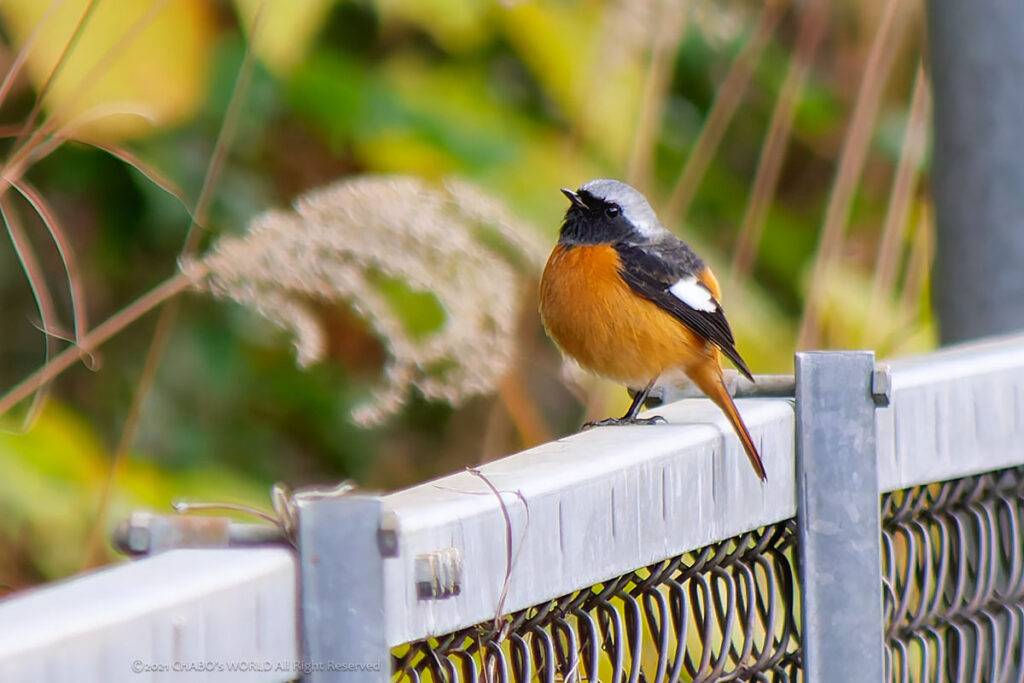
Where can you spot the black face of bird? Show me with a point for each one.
(593, 220)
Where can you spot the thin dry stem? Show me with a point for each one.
(169, 313)
(903, 188)
(224, 139)
(14, 167)
(53, 121)
(514, 401)
(40, 291)
(68, 130)
(100, 334)
(851, 162)
(76, 287)
(497, 429)
(769, 166)
(43, 139)
(656, 84)
(68, 48)
(94, 546)
(11, 130)
(522, 410)
(920, 259)
(909, 309)
(727, 100)
(19, 61)
(151, 174)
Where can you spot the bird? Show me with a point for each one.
(630, 301)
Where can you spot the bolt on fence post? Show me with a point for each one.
(342, 547)
(838, 518)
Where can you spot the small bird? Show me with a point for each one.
(630, 301)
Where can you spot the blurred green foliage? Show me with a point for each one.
(521, 98)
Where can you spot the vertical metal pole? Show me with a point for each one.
(343, 628)
(838, 518)
(977, 71)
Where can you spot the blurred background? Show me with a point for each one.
(787, 141)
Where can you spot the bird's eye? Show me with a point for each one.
(612, 211)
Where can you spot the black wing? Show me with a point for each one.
(650, 270)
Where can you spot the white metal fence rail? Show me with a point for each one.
(191, 615)
(380, 572)
(585, 508)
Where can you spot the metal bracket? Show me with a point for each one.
(343, 540)
(838, 517)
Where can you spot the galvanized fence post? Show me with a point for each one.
(838, 517)
(342, 548)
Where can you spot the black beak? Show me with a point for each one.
(574, 198)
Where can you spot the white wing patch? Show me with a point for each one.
(694, 294)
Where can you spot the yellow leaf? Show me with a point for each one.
(556, 41)
(562, 45)
(136, 64)
(396, 151)
(850, 321)
(456, 25)
(53, 476)
(285, 29)
(50, 478)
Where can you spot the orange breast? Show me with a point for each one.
(597, 319)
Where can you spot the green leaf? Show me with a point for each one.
(420, 312)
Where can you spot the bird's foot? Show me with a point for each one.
(618, 421)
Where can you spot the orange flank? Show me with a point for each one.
(594, 316)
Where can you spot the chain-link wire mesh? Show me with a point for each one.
(726, 612)
(953, 574)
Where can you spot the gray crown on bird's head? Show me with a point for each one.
(634, 205)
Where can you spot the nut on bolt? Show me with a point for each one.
(438, 575)
(881, 385)
(387, 535)
(131, 536)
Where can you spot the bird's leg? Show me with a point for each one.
(638, 402)
(630, 417)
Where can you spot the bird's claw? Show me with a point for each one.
(619, 421)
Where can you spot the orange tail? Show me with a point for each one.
(709, 380)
